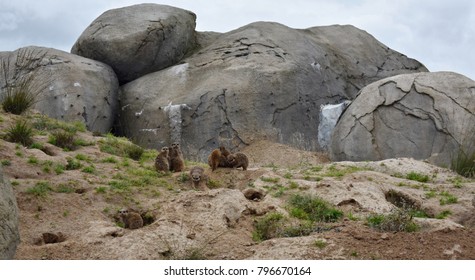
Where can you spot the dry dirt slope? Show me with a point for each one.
(78, 193)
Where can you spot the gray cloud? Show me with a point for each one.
(440, 34)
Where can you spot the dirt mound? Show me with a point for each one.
(79, 192)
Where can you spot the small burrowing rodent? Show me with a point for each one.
(197, 177)
(131, 220)
(162, 161)
(238, 160)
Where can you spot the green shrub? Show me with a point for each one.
(64, 188)
(398, 220)
(59, 169)
(120, 146)
(320, 244)
(444, 214)
(134, 151)
(464, 163)
(72, 164)
(414, 176)
(268, 227)
(270, 180)
(20, 88)
(41, 189)
(20, 132)
(63, 139)
(447, 198)
(32, 160)
(89, 169)
(313, 208)
(18, 100)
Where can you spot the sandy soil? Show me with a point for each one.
(218, 223)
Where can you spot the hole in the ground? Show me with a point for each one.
(402, 200)
(134, 219)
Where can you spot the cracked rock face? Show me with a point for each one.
(75, 88)
(423, 116)
(9, 233)
(138, 39)
(261, 81)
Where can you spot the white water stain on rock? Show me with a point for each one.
(329, 115)
(174, 120)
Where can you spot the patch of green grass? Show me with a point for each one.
(120, 146)
(64, 188)
(430, 194)
(399, 220)
(339, 172)
(313, 178)
(317, 168)
(293, 185)
(101, 189)
(47, 165)
(184, 177)
(33, 160)
(270, 180)
(82, 157)
(59, 169)
(21, 132)
(351, 216)
(214, 184)
(72, 164)
(121, 185)
(320, 244)
(458, 182)
(313, 208)
(89, 169)
(447, 198)
(63, 139)
(134, 151)
(415, 176)
(268, 227)
(5, 162)
(36, 145)
(41, 189)
(444, 214)
(109, 160)
(288, 175)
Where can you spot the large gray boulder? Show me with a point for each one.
(67, 87)
(9, 233)
(261, 81)
(138, 39)
(423, 116)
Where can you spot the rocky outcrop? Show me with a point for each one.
(261, 81)
(9, 233)
(424, 116)
(73, 88)
(138, 39)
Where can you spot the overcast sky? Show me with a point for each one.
(440, 34)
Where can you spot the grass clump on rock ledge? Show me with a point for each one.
(399, 220)
(21, 132)
(313, 208)
(305, 213)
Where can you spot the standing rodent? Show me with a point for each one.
(197, 176)
(131, 220)
(162, 160)
(176, 160)
(214, 159)
(223, 161)
(238, 160)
